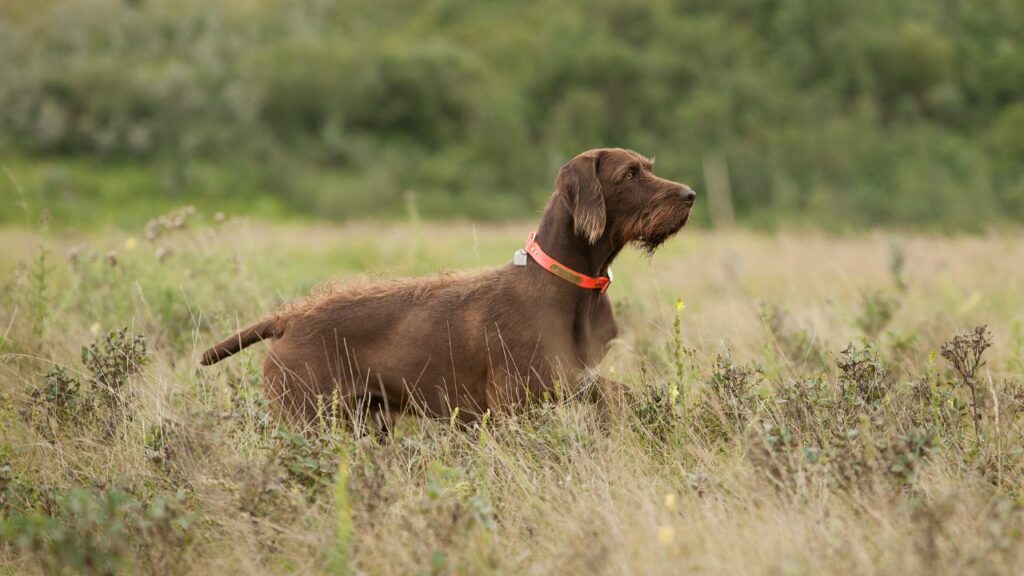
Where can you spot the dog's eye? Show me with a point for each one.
(631, 174)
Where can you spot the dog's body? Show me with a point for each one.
(486, 341)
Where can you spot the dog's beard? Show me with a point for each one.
(661, 228)
(648, 244)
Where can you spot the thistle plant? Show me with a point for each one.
(964, 353)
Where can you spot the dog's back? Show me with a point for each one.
(385, 339)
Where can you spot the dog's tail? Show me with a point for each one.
(262, 330)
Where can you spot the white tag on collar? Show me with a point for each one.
(519, 258)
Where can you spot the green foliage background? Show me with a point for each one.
(838, 114)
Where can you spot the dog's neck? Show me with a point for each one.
(557, 236)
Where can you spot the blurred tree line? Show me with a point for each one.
(841, 114)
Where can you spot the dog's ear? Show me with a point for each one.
(578, 182)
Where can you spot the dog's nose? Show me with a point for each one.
(688, 195)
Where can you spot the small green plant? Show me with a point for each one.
(10, 496)
(654, 414)
(907, 454)
(111, 361)
(877, 311)
(680, 355)
(774, 450)
(898, 266)
(732, 386)
(656, 408)
(265, 494)
(455, 513)
(728, 403)
(39, 295)
(849, 458)
(60, 394)
(801, 402)
(310, 463)
(165, 527)
(38, 280)
(864, 379)
(249, 407)
(340, 555)
(19, 493)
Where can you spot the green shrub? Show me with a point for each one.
(105, 532)
(877, 313)
(864, 379)
(61, 393)
(111, 361)
(310, 463)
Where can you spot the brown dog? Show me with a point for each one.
(486, 341)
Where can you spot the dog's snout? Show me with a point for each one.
(688, 195)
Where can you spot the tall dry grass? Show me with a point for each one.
(757, 439)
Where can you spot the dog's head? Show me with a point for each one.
(613, 192)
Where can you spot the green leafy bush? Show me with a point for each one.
(112, 360)
(104, 532)
(854, 115)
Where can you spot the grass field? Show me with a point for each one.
(799, 406)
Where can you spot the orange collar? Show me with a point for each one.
(564, 272)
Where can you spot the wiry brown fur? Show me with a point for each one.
(475, 342)
(368, 289)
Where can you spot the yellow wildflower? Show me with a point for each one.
(665, 535)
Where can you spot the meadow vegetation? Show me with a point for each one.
(799, 404)
(840, 114)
